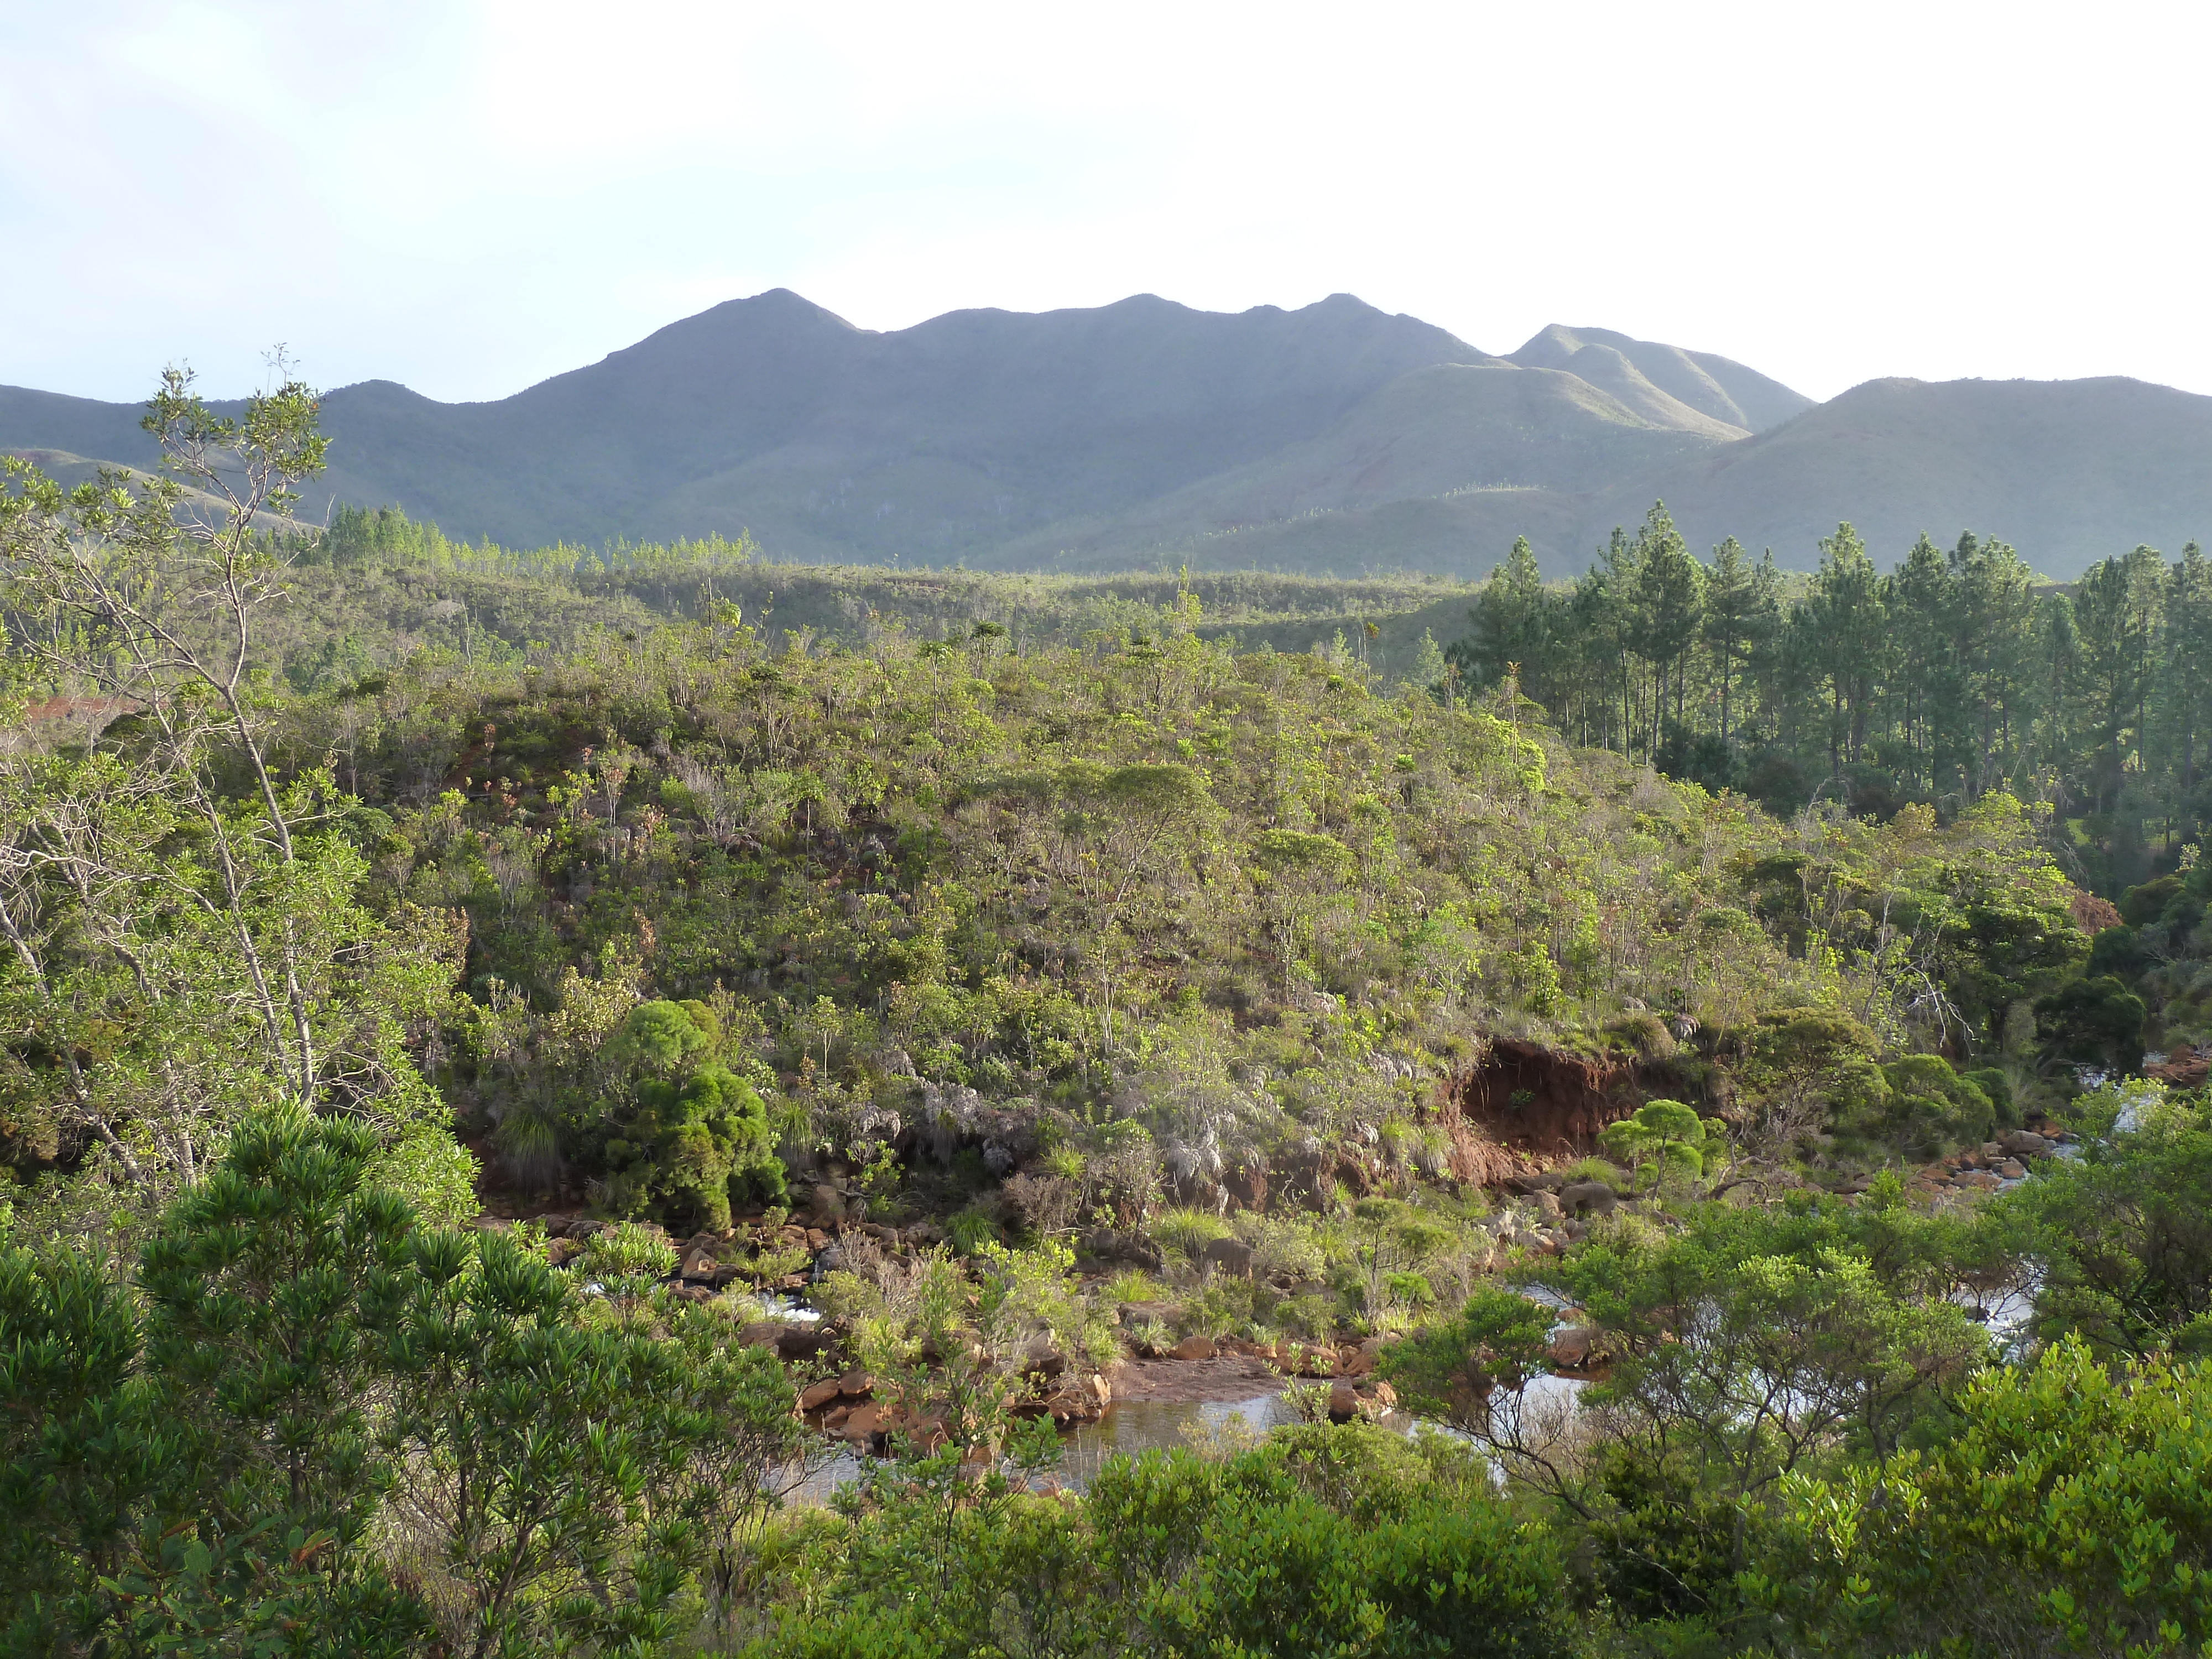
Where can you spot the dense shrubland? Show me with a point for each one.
(1028, 991)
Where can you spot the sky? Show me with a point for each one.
(471, 195)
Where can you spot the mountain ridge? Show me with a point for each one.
(1334, 435)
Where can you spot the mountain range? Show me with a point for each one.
(1144, 434)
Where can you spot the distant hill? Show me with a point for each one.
(2067, 470)
(1334, 438)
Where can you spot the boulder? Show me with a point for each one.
(1588, 1197)
(1576, 1347)
(2023, 1143)
(1106, 1244)
(699, 1266)
(1360, 1362)
(2013, 1170)
(800, 1341)
(1227, 1255)
(1548, 1206)
(1379, 1395)
(816, 1395)
(688, 1292)
(1193, 1347)
(856, 1385)
(1066, 1407)
(1343, 1403)
(1537, 1181)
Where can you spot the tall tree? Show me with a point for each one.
(1849, 622)
(1668, 601)
(2186, 668)
(1742, 612)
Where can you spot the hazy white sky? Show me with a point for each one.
(471, 197)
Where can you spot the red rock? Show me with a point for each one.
(856, 1385)
(864, 1420)
(1193, 1347)
(815, 1397)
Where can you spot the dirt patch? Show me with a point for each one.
(1225, 1379)
(1524, 1101)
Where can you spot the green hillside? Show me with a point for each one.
(645, 1100)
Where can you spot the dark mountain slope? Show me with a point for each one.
(1335, 437)
(1489, 442)
(933, 441)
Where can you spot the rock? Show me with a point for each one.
(1574, 1347)
(2023, 1143)
(700, 1266)
(816, 1395)
(1588, 1197)
(864, 1420)
(1343, 1403)
(691, 1293)
(1380, 1393)
(1228, 1256)
(816, 1240)
(1358, 1362)
(1537, 1181)
(801, 1342)
(1108, 1245)
(1193, 1347)
(1548, 1206)
(835, 1420)
(1070, 1405)
(562, 1251)
(827, 1205)
(2013, 1170)
(856, 1385)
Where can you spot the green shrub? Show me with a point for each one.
(627, 1251)
(1186, 1231)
